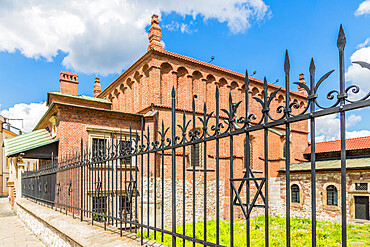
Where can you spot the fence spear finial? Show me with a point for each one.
(286, 62)
(341, 42)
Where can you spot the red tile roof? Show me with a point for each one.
(334, 146)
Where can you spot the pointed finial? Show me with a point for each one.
(246, 80)
(312, 66)
(341, 42)
(286, 62)
(265, 84)
(173, 92)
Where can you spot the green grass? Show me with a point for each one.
(328, 233)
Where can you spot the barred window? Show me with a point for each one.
(246, 154)
(332, 195)
(295, 193)
(195, 155)
(99, 205)
(361, 186)
(125, 206)
(99, 147)
(125, 147)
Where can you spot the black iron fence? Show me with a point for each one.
(140, 181)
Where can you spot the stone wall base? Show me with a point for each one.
(56, 229)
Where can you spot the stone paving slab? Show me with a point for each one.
(12, 230)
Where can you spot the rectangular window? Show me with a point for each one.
(99, 205)
(99, 147)
(7, 181)
(6, 163)
(361, 186)
(195, 155)
(125, 206)
(125, 150)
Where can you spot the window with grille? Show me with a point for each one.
(295, 193)
(361, 186)
(195, 155)
(99, 205)
(332, 195)
(99, 147)
(250, 155)
(125, 206)
(126, 149)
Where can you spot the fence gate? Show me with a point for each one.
(140, 181)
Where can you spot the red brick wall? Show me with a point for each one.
(74, 121)
(68, 87)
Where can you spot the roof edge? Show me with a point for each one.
(143, 57)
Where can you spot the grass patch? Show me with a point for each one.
(328, 233)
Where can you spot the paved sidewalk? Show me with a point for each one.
(12, 230)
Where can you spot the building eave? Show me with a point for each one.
(194, 61)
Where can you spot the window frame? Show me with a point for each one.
(333, 197)
(99, 218)
(293, 188)
(199, 162)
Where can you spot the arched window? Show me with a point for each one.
(295, 193)
(246, 154)
(332, 195)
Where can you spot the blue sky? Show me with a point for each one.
(240, 34)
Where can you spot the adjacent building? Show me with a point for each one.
(328, 180)
(6, 172)
(6, 131)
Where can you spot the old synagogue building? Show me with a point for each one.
(140, 99)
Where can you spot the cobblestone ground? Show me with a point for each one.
(12, 230)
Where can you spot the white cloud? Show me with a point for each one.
(364, 8)
(105, 36)
(365, 43)
(182, 27)
(328, 128)
(355, 134)
(30, 113)
(356, 74)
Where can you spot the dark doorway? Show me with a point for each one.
(362, 207)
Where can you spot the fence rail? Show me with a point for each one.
(139, 181)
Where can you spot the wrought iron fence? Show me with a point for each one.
(116, 183)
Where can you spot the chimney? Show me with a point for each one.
(155, 35)
(301, 89)
(97, 87)
(68, 83)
